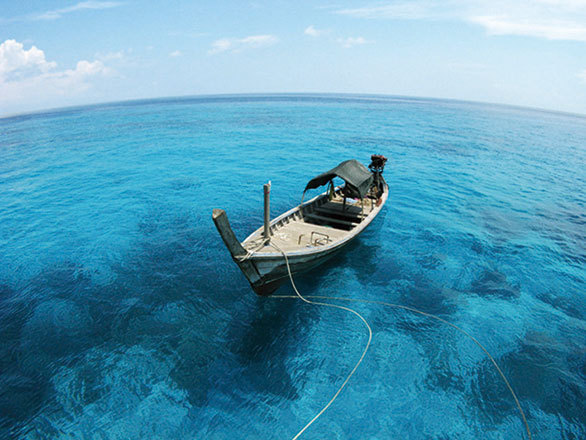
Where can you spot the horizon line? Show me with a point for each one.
(220, 96)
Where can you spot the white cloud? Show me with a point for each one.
(86, 68)
(582, 76)
(312, 31)
(221, 45)
(352, 41)
(15, 62)
(175, 53)
(26, 75)
(259, 40)
(405, 10)
(238, 44)
(550, 19)
(551, 30)
(58, 13)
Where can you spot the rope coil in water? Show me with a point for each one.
(398, 306)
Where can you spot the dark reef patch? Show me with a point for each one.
(446, 371)
(262, 342)
(163, 296)
(429, 236)
(428, 297)
(431, 261)
(571, 303)
(495, 283)
(538, 372)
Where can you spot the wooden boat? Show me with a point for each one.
(312, 232)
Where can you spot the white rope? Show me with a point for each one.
(398, 306)
(337, 307)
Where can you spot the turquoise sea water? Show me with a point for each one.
(122, 315)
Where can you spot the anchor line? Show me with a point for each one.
(397, 306)
(299, 296)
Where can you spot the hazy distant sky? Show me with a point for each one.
(521, 52)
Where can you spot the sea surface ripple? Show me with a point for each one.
(122, 315)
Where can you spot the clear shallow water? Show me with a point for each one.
(122, 315)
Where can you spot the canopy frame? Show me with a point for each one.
(358, 181)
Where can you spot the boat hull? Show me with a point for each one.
(273, 271)
(266, 270)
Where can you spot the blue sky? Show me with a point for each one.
(521, 52)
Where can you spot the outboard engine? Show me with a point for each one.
(377, 165)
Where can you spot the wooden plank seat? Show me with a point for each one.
(330, 220)
(350, 215)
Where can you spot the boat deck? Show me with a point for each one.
(317, 224)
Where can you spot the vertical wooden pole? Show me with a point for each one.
(267, 216)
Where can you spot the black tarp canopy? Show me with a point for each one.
(357, 177)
